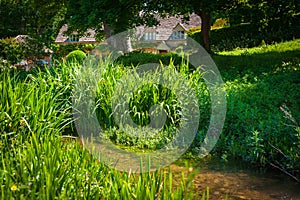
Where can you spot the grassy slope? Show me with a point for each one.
(259, 82)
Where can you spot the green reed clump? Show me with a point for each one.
(35, 102)
(145, 97)
(57, 169)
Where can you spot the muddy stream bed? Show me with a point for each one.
(239, 181)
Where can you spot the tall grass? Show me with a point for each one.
(35, 104)
(126, 94)
(51, 169)
(37, 163)
(36, 109)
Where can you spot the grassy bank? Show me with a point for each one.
(38, 163)
(262, 125)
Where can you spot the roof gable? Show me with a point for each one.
(179, 27)
(62, 37)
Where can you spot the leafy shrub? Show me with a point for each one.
(246, 36)
(10, 53)
(76, 56)
(140, 58)
(61, 51)
(259, 82)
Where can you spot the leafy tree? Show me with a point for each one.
(29, 16)
(10, 51)
(39, 19)
(206, 9)
(108, 17)
(264, 13)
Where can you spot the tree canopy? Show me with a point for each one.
(43, 18)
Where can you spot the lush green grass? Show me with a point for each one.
(262, 86)
(37, 163)
(263, 91)
(49, 168)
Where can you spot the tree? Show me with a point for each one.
(264, 12)
(40, 20)
(204, 8)
(107, 18)
(20, 17)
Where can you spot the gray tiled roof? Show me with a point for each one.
(88, 37)
(163, 30)
(167, 25)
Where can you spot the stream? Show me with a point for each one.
(239, 181)
(235, 179)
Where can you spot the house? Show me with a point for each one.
(169, 34)
(88, 38)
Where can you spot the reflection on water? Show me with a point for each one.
(240, 182)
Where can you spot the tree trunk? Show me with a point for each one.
(205, 28)
(120, 42)
(107, 30)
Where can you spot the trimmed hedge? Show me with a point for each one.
(247, 36)
(140, 58)
(60, 51)
(76, 56)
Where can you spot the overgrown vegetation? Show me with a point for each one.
(37, 162)
(10, 53)
(247, 36)
(260, 82)
(262, 125)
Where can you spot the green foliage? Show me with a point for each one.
(76, 56)
(25, 107)
(262, 126)
(264, 13)
(140, 58)
(259, 82)
(145, 96)
(38, 163)
(31, 17)
(117, 15)
(246, 36)
(61, 51)
(50, 168)
(10, 53)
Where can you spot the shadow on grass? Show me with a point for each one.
(234, 67)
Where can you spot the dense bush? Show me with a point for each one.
(140, 58)
(76, 56)
(262, 123)
(10, 53)
(247, 35)
(61, 51)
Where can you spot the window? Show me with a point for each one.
(149, 36)
(178, 35)
(73, 38)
